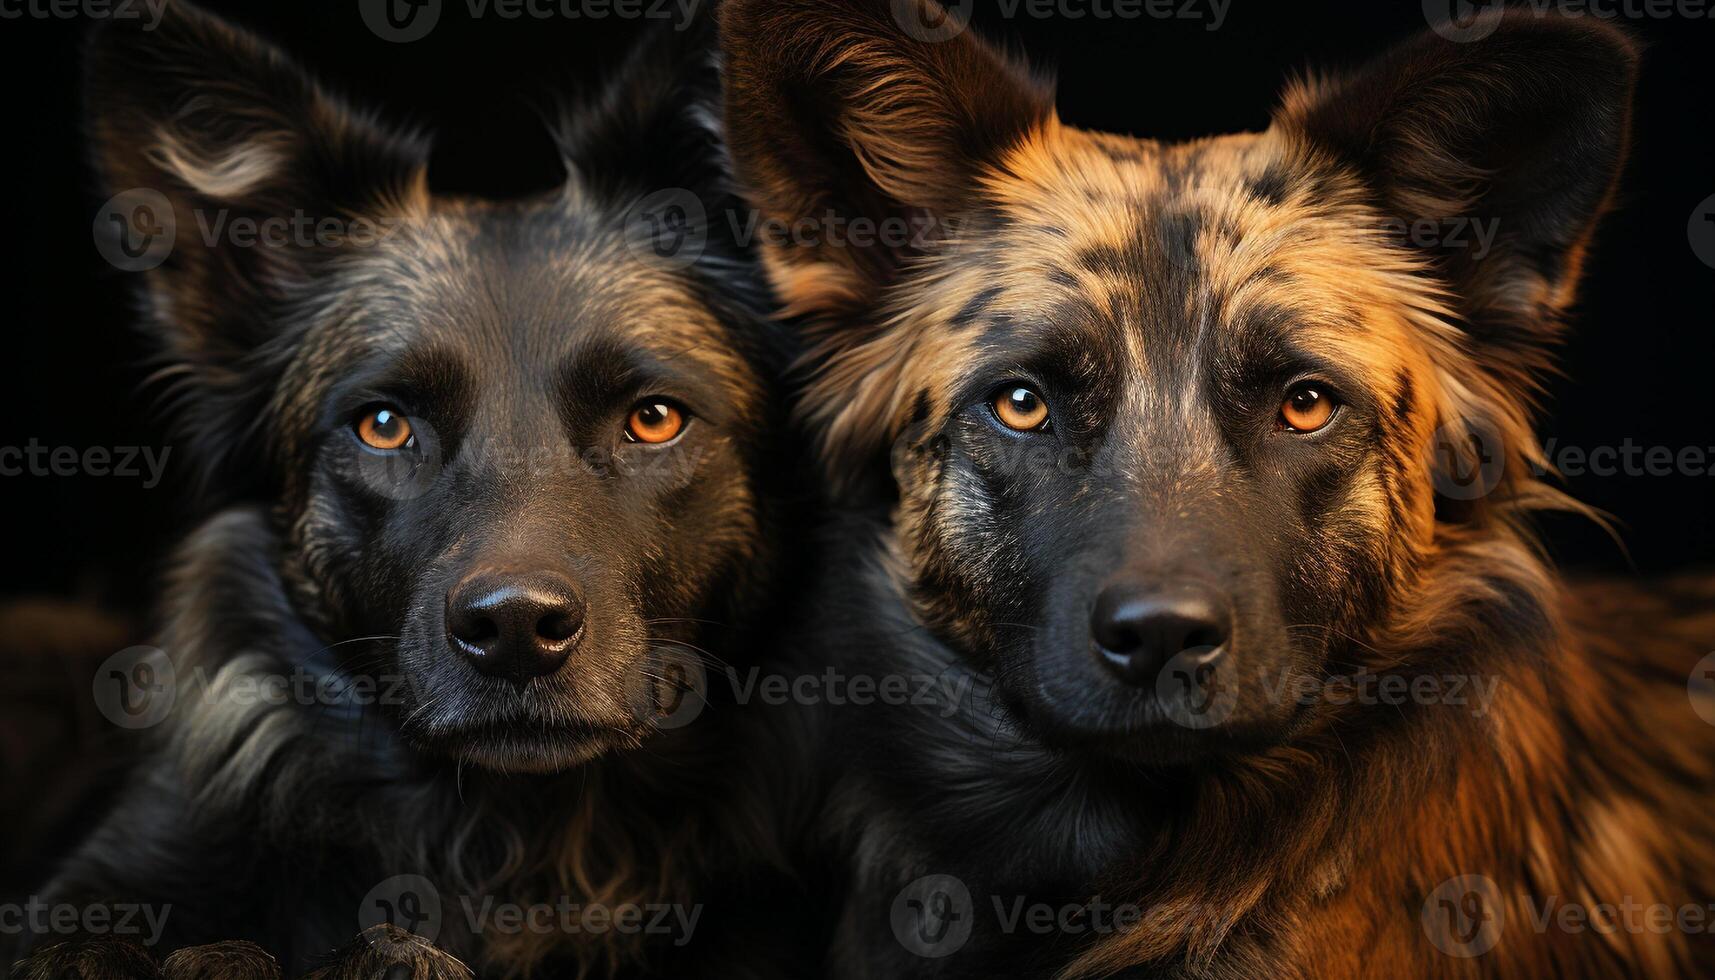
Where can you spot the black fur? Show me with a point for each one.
(515, 338)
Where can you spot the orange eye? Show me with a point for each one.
(1021, 409)
(1307, 408)
(654, 422)
(384, 429)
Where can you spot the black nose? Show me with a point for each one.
(1138, 630)
(513, 625)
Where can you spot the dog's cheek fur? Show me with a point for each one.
(220, 124)
(969, 566)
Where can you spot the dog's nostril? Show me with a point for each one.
(1138, 630)
(1205, 638)
(476, 629)
(514, 625)
(558, 626)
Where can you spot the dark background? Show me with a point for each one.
(1638, 362)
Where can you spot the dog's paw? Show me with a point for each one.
(92, 959)
(386, 952)
(235, 960)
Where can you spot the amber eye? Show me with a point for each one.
(1307, 408)
(1020, 409)
(654, 421)
(384, 429)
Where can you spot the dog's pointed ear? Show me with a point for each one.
(224, 127)
(233, 178)
(654, 125)
(880, 110)
(1517, 132)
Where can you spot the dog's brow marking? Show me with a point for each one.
(243, 167)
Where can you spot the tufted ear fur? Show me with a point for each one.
(1522, 131)
(836, 111)
(880, 114)
(235, 179)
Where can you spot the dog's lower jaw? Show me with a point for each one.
(527, 754)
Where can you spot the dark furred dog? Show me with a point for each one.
(1184, 440)
(497, 462)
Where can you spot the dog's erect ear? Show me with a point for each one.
(654, 125)
(1518, 135)
(234, 176)
(881, 110)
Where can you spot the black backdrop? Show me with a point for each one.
(1638, 364)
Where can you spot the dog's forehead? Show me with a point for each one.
(528, 282)
(1170, 247)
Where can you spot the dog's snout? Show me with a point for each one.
(515, 625)
(1138, 630)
